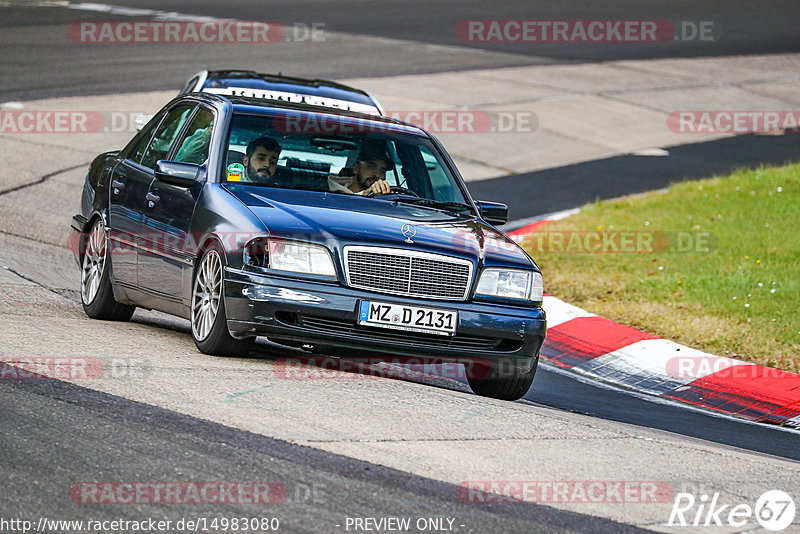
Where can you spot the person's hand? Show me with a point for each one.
(381, 187)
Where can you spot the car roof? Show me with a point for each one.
(271, 86)
(280, 78)
(365, 122)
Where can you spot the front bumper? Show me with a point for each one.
(505, 339)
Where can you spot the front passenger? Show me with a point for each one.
(261, 164)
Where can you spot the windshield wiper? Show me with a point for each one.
(427, 202)
(451, 206)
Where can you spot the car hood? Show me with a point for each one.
(339, 220)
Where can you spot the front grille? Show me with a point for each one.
(408, 273)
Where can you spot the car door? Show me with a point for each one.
(127, 188)
(168, 213)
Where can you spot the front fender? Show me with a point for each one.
(94, 200)
(219, 216)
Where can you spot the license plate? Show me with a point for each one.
(409, 318)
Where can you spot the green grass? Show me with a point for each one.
(737, 297)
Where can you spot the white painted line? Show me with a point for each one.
(137, 12)
(651, 152)
(554, 216)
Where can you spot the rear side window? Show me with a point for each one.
(137, 151)
(190, 85)
(167, 131)
(193, 148)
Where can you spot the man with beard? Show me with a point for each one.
(261, 163)
(369, 174)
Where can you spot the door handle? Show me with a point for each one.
(116, 186)
(152, 198)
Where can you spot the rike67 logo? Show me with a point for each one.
(774, 510)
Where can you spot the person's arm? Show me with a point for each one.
(335, 187)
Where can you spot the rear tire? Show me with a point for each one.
(97, 295)
(511, 388)
(209, 322)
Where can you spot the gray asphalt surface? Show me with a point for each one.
(574, 185)
(40, 60)
(564, 392)
(739, 27)
(53, 433)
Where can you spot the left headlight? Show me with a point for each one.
(511, 284)
(298, 257)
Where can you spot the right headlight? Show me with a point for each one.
(511, 284)
(293, 256)
(300, 257)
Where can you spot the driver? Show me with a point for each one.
(369, 174)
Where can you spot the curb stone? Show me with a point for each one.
(602, 349)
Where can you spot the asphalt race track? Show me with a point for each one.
(360, 446)
(40, 61)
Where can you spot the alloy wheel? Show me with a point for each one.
(94, 261)
(206, 294)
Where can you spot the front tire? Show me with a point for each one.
(511, 388)
(209, 323)
(97, 294)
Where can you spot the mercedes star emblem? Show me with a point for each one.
(409, 231)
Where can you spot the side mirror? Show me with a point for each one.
(177, 173)
(493, 212)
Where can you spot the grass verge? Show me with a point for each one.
(712, 264)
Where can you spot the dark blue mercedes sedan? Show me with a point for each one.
(326, 230)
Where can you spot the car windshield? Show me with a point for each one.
(339, 155)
